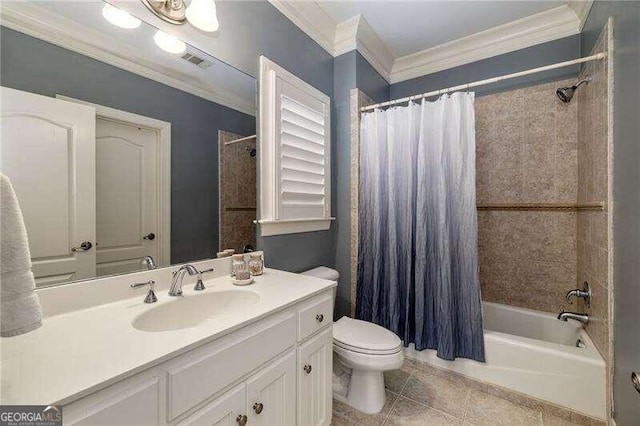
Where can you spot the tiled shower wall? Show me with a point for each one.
(593, 186)
(237, 192)
(527, 152)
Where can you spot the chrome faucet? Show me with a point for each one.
(176, 284)
(564, 316)
(149, 263)
(585, 293)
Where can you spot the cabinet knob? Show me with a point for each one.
(258, 407)
(241, 419)
(319, 317)
(307, 369)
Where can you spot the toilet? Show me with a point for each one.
(362, 351)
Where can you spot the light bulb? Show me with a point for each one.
(119, 17)
(169, 43)
(202, 15)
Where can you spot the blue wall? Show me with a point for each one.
(543, 54)
(626, 196)
(351, 70)
(36, 66)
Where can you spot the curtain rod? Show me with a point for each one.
(246, 138)
(595, 57)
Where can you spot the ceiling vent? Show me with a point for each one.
(196, 60)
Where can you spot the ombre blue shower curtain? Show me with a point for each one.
(418, 255)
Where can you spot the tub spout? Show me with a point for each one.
(583, 318)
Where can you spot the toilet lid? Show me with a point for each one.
(365, 337)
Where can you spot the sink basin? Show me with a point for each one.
(189, 311)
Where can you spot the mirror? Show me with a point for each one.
(118, 149)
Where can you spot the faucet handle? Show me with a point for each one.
(199, 284)
(151, 295)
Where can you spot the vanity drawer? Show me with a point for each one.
(206, 371)
(314, 315)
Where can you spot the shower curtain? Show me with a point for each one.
(418, 257)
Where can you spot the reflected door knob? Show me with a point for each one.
(83, 247)
(150, 236)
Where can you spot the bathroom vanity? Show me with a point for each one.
(263, 356)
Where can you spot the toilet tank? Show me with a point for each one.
(323, 272)
(326, 274)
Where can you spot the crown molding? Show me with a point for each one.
(312, 19)
(374, 50)
(345, 39)
(581, 8)
(356, 33)
(32, 20)
(526, 32)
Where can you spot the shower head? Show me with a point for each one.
(566, 93)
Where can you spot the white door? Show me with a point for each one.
(127, 195)
(48, 152)
(314, 379)
(271, 394)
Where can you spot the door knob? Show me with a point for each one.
(241, 419)
(150, 236)
(83, 247)
(319, 317)
(635, 379)
(307, 369)
(257, 407)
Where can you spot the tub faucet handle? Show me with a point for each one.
(585, 293)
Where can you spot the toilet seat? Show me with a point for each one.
(365, 337)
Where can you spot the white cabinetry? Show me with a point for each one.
(276, 371)
(314, 390)
(271, 393)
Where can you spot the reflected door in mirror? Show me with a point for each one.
(48, 152)
(127, 195)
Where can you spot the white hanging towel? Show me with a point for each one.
(20, 310)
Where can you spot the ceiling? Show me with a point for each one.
(407, 27)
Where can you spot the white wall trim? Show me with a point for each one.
(526, 32)
(581, 9)
(280, 227)
(163, 130)
(346, 36)
(356, 33)
(374, 50)
(312, 19)
(32, 20)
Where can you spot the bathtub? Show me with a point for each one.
(534, 353)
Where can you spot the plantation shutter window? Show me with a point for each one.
(294, 141)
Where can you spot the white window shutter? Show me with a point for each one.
(295, 140)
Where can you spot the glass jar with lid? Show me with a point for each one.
(237, 264)
(256, 264)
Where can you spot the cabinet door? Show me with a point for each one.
(271, 393)
(315, 364)
(224, 411)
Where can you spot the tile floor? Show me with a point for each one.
(417, 396)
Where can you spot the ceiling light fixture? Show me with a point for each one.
(200, 13)
(119, 17)
(169, 43)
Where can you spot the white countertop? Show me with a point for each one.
(79, 352)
